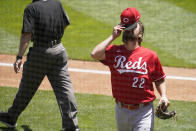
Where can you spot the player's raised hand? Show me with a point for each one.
(117, 31)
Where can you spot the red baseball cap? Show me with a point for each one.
(129, 18)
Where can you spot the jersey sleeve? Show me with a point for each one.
(28, 20)
(158, 72)
(65, 16)
(109, 55)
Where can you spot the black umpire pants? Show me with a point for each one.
(53, 63)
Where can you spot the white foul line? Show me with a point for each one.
(107, 72)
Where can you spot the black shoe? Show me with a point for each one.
(5, 119)
(76, 129)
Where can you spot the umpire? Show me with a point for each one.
(44, 23)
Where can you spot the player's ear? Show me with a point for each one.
(140, 35)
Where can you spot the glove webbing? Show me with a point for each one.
(165, 112)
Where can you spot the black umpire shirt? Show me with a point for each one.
(46, 20)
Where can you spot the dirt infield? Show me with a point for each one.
(100, 83)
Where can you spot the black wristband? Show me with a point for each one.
(18, 57)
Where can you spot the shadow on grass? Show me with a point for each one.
(7, 129)
(25, 127)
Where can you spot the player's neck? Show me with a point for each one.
(131, 45)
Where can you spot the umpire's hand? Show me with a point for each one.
(17, 65)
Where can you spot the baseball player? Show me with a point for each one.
(44, 23)
(133, 69)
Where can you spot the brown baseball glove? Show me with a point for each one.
(163, 113)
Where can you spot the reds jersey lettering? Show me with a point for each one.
(129, 66)
(132, 73)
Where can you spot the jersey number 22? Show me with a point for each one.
(137, 81)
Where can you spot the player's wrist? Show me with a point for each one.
(113, 37)
(164, 97)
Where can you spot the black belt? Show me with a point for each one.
(46, 45)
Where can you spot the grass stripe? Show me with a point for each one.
(9, 42)
(188, 5)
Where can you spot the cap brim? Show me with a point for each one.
(130, 27)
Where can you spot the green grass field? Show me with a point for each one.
(169, 27)
(96, 113)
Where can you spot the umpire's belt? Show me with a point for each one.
(132, 106)
(46, 45)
